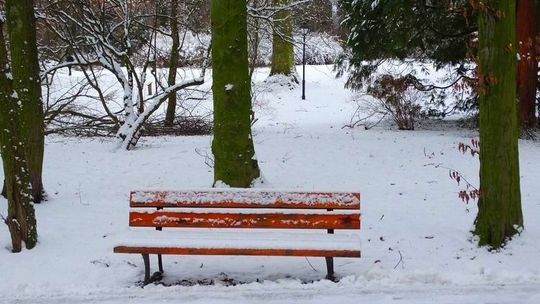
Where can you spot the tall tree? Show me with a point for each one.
(282, 46)
(499, 215)
(232, 145)
(25, 65)
(527, 64)
(173, 63)
(21, 220)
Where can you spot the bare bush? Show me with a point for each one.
(397, 97)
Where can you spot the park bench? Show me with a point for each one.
(273, 220)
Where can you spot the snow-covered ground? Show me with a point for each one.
(416, 243)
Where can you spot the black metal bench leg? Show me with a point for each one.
(146, 260)
(330, 269)
(330, 261)
(160, 263)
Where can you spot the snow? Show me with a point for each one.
(242, 238)
(415, 236)
(321, 48)
(253, 196)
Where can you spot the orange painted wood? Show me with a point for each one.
(240, 220)
(245, 199)
(238, 251)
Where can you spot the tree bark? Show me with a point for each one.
(499, 215)
(537, 40)
(232, 145)
(254, 40)
(282, 47)
(21, 220)
(25, 66)
(173, 64)
(527, 64)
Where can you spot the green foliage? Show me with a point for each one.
(399, 29)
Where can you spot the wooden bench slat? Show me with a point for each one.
(239, 220)
(249, 198)
(238, 251)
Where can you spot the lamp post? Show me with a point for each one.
(304, 31)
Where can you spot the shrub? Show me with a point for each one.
(398, 98)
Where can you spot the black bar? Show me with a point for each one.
(304, 69)
(159, 228)
(330, 269)
(146, 260)
(160, 263)
(330, 260)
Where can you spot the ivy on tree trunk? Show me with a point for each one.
(232, 145)
(499, 215)
(21, 220)
(26, 74)
(282, 46)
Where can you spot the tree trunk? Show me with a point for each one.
(21, 220)
(499, 215)
(173, 64)
(232, 145)
(538, 56)
(527, 64)
(25, 65)
(282, 47)
(254, 40)
(130, 133)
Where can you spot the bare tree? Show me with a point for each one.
(117, 35)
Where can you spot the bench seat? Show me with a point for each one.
(219, 242)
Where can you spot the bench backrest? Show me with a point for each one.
(246, 208)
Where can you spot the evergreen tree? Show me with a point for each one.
(399, 29)
(21, 219)
(499, 215)
(232, 145)
(24, 63)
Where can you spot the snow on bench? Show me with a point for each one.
(231, 238)
(246, 198)
(264, 211)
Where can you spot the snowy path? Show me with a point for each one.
(522, 294)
